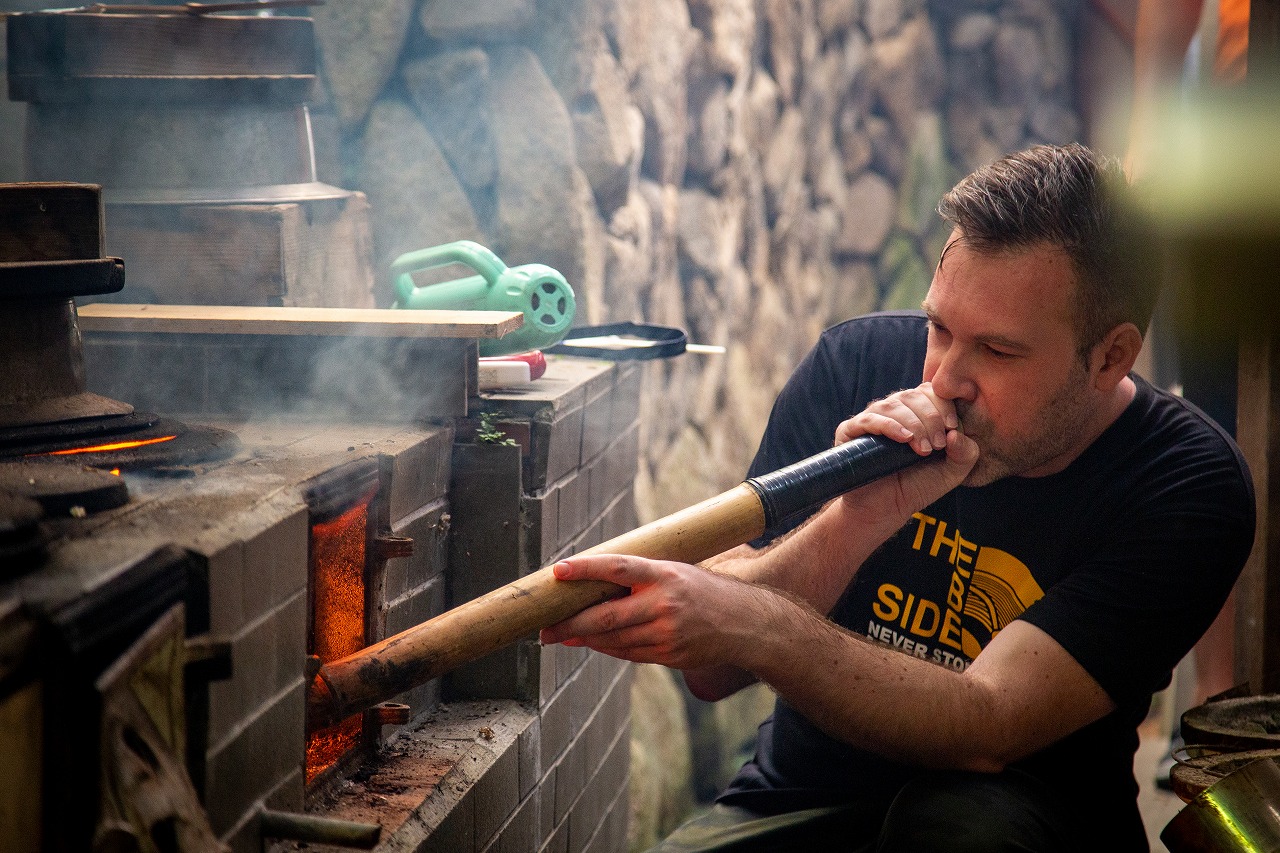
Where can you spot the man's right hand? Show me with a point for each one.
(928, 422)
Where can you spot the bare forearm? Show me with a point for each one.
(814, 564)
(1022, 693)
(875, 698)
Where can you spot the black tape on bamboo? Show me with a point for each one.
(814, 481)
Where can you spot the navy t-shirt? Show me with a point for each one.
(1124, 558)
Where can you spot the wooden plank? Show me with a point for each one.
(1257, 597)
(1258, 430)
(336, 322)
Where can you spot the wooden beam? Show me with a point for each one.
(259, 320)
(1258, 591)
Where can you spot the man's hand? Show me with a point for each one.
(678, 615)
(919, 417)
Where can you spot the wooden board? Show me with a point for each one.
(250, 320)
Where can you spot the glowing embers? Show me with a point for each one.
(338, 559)
(118, 445)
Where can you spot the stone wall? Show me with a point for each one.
(749, 170)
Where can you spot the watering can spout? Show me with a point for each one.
(537, 291)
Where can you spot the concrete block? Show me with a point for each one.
(520, 835)
(624, 460)
(616, 764)
(266, 657)
(572, 512)
(590, 537)
(547, 826)
(414, 607)
(395, 577)
(540, 520)
(547, 680)
(275, 563)
(428, 527)
(420, 475)
(556, 729)
(569, 659)
(497, 793)
(587, 813)
(571, 776)
(596, 414)
(563, 438)
(484, 548)
(529, 757)
(457, 832)
(248, 766)
(226, 580)
(558, 842)
(620, 517)
(598, 497)
(591, 811)
(584, 687)
(612, 834)
(288, 795)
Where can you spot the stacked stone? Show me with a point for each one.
(749, 170)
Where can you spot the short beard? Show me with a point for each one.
(1055, 431)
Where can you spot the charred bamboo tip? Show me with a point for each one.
(322, 705)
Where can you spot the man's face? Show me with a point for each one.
(1002, 347)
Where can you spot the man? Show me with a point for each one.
(1042, 579)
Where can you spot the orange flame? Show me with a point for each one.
(337, 566)
(103, 448)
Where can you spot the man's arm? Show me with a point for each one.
(1022, 693)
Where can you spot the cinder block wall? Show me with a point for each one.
(558, 782)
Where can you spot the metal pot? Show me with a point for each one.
(1237, 814)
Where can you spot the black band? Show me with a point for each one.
(816, 480)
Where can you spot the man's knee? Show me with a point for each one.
(972, 813)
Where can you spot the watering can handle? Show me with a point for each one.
(465, 252)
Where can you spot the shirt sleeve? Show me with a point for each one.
(1131, 610)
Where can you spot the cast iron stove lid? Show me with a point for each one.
(63, 490)
(23, 542)
(138, 440)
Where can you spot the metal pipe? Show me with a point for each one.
(290, 826)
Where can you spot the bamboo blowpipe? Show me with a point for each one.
(496, 619)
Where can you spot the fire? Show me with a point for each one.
(337, 566)
(105, 448)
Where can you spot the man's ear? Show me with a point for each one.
(1114, 356)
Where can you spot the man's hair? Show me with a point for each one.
(1070, 197)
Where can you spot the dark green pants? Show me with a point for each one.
(947, 812)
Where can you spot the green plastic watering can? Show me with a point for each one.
(535, 290)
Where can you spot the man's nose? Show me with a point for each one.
(953, 379)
